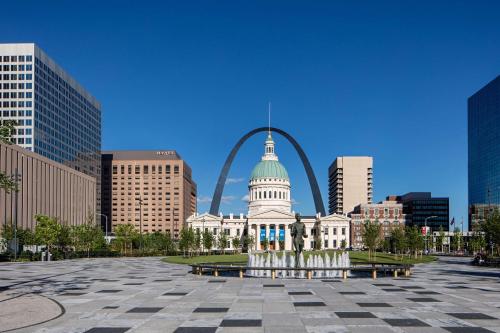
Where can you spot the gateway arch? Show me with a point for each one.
(313, 183)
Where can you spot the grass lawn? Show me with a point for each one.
(357, 257)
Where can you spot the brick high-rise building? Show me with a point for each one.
(160, 180)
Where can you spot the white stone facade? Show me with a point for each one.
(270, 216)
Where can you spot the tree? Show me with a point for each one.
(249, 242)
(7, 183)
(236, 241)
(398, 240)
(197, 241)
(87, 237)
(265, 243)
(440, 239)
(317, 244)
(371, 236)
(47, 231)
(222, 242)
(491, 229)
(343, 244)
(125, 233)
(208, 241)
(456, 240)
(414, 240)
(186, 240)
(281, 243)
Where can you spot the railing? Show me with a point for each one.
(395, 269)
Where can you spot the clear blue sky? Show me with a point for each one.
(386, 79)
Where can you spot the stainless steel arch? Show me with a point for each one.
(313, 183)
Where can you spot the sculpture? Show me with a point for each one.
(298, 233)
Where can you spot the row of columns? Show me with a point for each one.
(288, 238)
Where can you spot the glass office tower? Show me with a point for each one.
(484, 146)
(56, 117)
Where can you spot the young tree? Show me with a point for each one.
(197, 241)
(87, 237)
(186, 240)
(456, 240)
(398, 241)
(343, 244)
(414, 240)
(47, 231)
(265, 243)
(440, 239)
(371, 236)
(249, 242)
(236, 241)
(208, 241)
(125, 233)
(222, 242)
(491, 229)
(317, 243)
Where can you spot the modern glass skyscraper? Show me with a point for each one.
(484, 145)
(56, 117)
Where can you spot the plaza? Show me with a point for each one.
(148, 295)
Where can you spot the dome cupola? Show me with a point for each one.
(269, 186)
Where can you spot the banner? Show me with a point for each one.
(262, 234)
(282, 235)
(272, 235)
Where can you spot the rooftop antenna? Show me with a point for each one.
(269, 117)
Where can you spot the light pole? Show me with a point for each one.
(203, 234)
(140, 223)
(17, 178)
(425, 221)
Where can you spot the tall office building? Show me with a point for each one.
(153, 190)
(419, 206)
(484, 146)
(56, 117)
(350, 183)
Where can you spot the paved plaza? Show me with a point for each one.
(147, 295)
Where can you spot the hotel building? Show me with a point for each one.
(153, 190)
(350, 183)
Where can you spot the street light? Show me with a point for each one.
(18, 179)
(203, 234)
(140, 223)
(425, 220)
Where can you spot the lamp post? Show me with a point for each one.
(203, 234)
(425, 221)
(140, 223)
(17, 178)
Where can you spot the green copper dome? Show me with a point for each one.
(269, 169)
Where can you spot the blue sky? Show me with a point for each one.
(388, 79)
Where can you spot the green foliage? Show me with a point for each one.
(236, 242)
(371, 236)
(343, 244)
(222, 241)
(456, 240)
(87, 237)
(317, 243)
(208, 240)
(47, 231)
(265, 243)
(197, 240)
(398, 240)
(7, 183)
(440, 239)
(186, 241)
(249, 242)
(158, 242)
(491, 229)
(125, 234)
(414, 240)
(281, 243)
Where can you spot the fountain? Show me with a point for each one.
(282, 260)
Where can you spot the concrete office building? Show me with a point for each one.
(388, 213)
(153, 190)
(56, 117)
(45, 187)
(483, 120)
(350, 183)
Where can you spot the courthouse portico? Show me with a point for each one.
(269, 213)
